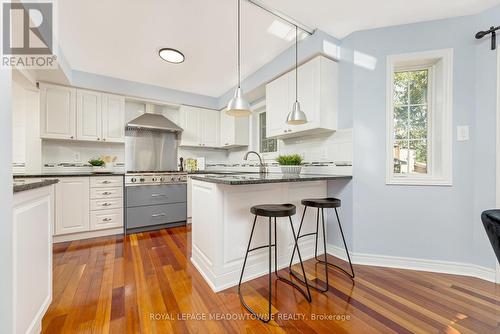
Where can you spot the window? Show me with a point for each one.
(419, 118)
(410, 117)
(267, 145)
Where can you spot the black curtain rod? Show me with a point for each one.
(491, 31)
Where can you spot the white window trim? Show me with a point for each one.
(422, 59)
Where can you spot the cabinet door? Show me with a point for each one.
(190, 118)
(89, 118)
(72, 205)
(277, 106)
(209, 122)
(308, 94)
(57, 112)
(113, 118)
(227, 131)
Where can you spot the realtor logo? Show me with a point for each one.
(27, 38)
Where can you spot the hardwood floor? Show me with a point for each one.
(146, 284)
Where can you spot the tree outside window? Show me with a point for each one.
(410, 117)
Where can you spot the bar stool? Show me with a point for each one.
(321, 204)
(273, 211)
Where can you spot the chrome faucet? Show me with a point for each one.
(262, 168)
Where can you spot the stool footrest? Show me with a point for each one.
(307, 235)
(260, 247)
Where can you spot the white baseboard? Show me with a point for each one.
(444, 267)
(498, 273)
(86, 235)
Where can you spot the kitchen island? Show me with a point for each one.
(221, 221)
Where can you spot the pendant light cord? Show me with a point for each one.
(239, 56)
(296, 65)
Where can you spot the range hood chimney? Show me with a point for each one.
(153, 121)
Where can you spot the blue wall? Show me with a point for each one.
(426, 222)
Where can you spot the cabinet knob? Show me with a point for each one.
(71, 137)
(106, 204)
(106, 193)
(104, 139)
(107, 219)
(98, 138)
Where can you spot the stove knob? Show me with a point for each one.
(172, 179)
(161, 179)
(142, 179)
(153, 179)
(133, 179)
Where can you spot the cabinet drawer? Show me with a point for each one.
(106, 181)
(106, 204)
(99, 193)
(155, 215)
(152, 195)
(103, 219)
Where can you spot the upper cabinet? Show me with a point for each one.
(233, 130)
(317, 94)
(113, 118)
(201, 127)
(58, 112)
(88, 115)
(78, 114)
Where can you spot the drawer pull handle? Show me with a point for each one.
(106, 193)
(106, 182)
(158, 195)
(107, 219)
(158, 215)
(106, 204)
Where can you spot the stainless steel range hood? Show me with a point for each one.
(153, 121)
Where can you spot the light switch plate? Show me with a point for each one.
(462, 132)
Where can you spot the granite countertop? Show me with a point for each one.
(255, 178)
(75, 174)
(32, 183)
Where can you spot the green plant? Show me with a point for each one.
(289, 160)
(96, 162)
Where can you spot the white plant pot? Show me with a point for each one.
(100, 169)
(295, 170)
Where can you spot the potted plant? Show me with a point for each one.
(97, 165)
(290, 164)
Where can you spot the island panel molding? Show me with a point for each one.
(222, 212)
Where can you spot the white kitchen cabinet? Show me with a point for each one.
(57, 112)
(32, 223)
(209, 127)
(233, 130)
(88, 115)
(72, 205)
(88, 207)
(317, 94)
(201, 127)
(113, 118)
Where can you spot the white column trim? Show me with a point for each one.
(497, 150)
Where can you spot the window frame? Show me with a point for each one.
(437, 173)
(267, 155)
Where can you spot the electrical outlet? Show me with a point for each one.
(77, 156)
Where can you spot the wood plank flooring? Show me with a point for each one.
(145, 283)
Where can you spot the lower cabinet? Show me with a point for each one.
(88, 206)
(72, 205)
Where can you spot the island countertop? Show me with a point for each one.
(255, 178)
(32, 183)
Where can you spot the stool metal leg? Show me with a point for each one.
(298, 236)
(351, 274)
(249, 309)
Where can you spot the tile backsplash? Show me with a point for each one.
(54, 151)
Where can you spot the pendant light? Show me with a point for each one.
(296, 116)
(238, 106)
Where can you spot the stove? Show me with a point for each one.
(144, 178)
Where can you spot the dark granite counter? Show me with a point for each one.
(32, 183)
(76, 174)
(255, 178)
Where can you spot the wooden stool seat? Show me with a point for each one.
(273, 210)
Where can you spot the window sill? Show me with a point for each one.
(406, 181)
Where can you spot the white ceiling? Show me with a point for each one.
(340, 18)
(120, 38)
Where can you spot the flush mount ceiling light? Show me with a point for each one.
(238, 106)
(296, 116)
(171, 55)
